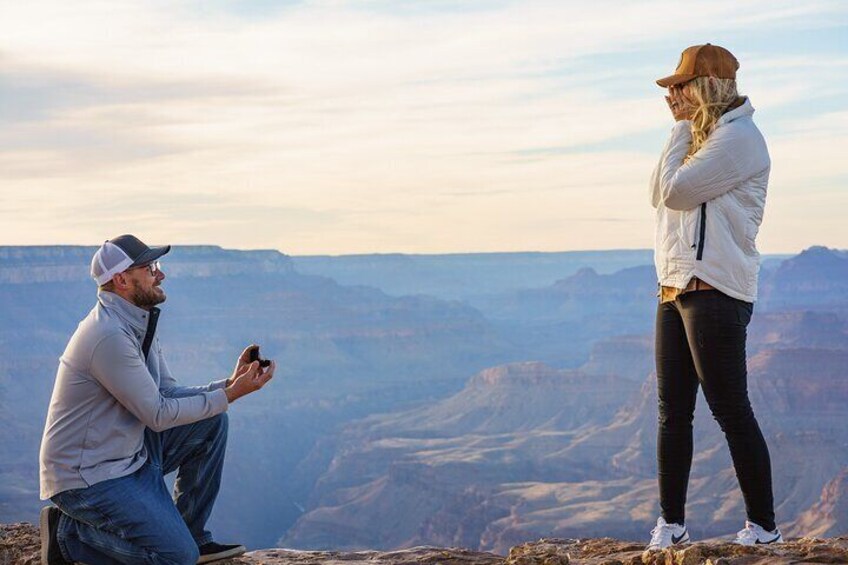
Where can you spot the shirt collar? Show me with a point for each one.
(745, 109)
(136, 317)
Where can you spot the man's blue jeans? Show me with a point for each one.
(133, 519)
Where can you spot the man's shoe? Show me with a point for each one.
(214, 551)
(48, 523)
(754, 534)
(665, 535)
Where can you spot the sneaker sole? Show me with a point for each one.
(234, 552)
(679, 544)
(775, 541)
(687, 541)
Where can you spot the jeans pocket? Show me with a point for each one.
(729, 310)
(744, 311)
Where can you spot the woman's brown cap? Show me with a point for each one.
(702, 61)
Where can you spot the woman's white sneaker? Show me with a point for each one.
(754, 534)
(665, 535)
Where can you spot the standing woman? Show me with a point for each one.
(709, 191)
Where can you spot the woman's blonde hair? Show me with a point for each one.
(712, 96)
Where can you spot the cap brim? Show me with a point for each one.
(150, 255)
(675, 79)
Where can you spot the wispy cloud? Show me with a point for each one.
(380, 126)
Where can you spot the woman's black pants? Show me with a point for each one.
(700, 339)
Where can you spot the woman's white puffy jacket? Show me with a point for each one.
(709, 209)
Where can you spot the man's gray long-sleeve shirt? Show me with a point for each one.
(106, 394)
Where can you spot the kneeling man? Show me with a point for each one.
(118, 423)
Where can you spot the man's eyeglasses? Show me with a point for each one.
(152, 268)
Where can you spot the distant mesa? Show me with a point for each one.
(520, 374)
(815, 278)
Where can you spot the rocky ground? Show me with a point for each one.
(19, 545)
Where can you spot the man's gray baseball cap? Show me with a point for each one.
(120, 253)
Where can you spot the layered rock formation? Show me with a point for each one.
(829, 515)
(559, 324)
(446, 464)
(817, 279)
(528, 451)
(343, 352)
(628, 356)
(367, 439)
(464, 276)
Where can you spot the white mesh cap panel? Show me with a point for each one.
(107, 262)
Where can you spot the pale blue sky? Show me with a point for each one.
(357, 127)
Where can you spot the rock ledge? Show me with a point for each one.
(19, 545)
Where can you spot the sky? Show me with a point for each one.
(336, 127)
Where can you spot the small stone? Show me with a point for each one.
(692, 555)
(655, 557)
(540, 553)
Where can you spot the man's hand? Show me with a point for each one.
(247, 379)
(681, 106)
(241, 363)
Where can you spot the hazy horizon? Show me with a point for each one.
(389, 252)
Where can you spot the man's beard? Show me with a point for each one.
(146, 299)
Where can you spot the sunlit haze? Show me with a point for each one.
(417, 127)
